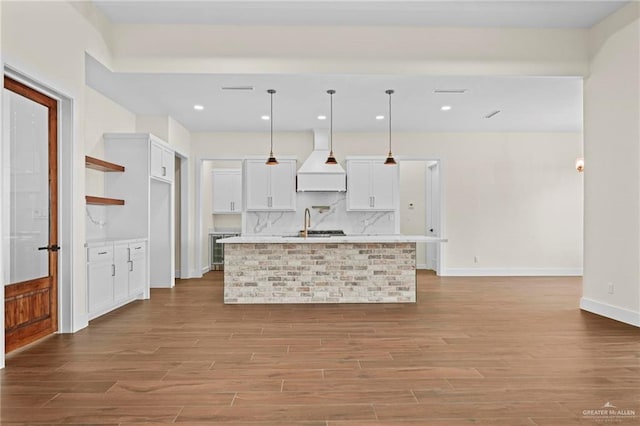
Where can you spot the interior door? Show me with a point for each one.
(31, 234)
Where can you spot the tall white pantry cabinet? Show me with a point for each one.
(147, 189)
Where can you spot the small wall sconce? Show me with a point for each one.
(580, 164)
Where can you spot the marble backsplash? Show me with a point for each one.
(335, 217)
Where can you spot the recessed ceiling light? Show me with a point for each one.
(379, 117)
(322, 117)
(445, 107)
(265, 117)
(198, 107)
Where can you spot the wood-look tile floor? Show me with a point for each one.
(505, 351)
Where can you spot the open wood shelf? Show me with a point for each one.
(103, 166)
(102, 201)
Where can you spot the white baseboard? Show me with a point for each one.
(80, 322)
(177, 273)
(511, 272)
(610, 311)
(205, 269)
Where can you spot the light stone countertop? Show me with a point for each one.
(98, 242)
(276, 239)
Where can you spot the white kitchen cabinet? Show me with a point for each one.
(116, 275)
(100, 274)
(270, 188)
(121, 272)
(147, 188)
(227, 191)
(162, 161)
(371, 185)
(137, 268)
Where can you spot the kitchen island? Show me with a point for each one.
(344, 269)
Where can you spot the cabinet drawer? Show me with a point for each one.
(137, 250)
(97, 254)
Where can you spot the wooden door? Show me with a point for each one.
(31, 167)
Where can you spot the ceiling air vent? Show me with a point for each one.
(492, 114)
(450, 91)
(237, 88)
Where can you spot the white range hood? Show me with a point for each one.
(314, 174)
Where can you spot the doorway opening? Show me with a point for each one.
(421, 207)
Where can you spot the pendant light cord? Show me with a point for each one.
(331, 122)
(271, 92)
(331, 92)
(271, 161)
(389, 92)
(390, 160)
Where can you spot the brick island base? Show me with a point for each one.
(320, 273)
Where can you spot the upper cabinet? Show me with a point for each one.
(162, 162)
(371, 185)
(227, 191)
(270, 187)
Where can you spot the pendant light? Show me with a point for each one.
(390, 160)
(271, 161)
(331, 159)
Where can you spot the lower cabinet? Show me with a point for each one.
(116, 275)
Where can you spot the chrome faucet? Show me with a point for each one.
(307, 222)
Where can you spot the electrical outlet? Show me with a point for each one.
(476, 259)
(610, 288)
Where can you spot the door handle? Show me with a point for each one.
(431, 230)
(53, 247)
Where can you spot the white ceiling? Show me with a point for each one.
(526, 103)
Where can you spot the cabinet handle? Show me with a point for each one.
(131, 266)
(232, 206)
(102, 252)
(373, 201)
(129, 255)
(113, 270)
(269, 201)
(164, 171)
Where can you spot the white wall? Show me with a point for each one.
(612, 176)
(47, 41)
(512, 199)
(102, 115)
(413, 191)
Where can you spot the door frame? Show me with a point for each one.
(199, 267)
(426, 159)
(437, 223)
(51, 325)
(70, 320)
